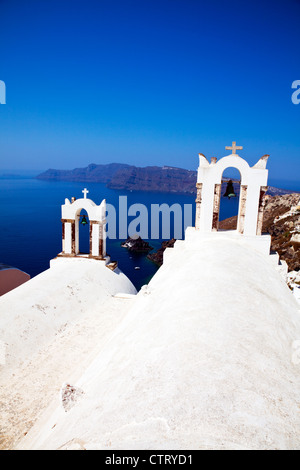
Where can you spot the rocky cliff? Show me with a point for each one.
(282, 221)
(158, 256)
(91, 174)
(153, 178)
(128, 177)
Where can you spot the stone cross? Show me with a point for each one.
(234, 148)
(85, 192)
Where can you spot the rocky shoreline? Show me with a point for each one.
(157, 256)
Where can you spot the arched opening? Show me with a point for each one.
(229, 200)
(83, 239)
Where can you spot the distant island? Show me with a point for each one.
(128, 177)
(120, 176)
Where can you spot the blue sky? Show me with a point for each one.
(149, 82)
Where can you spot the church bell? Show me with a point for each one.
(229, 190)
(83, 220)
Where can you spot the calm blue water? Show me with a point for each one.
(30, 223)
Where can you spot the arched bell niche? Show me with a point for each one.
(83, 228)
(230, 197)
(253, 185)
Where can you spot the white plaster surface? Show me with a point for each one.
(293, 280)
(52, 327)
(202, 360)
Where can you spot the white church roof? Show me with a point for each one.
(50, 329)
(203, 359)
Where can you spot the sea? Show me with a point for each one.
(31, 229)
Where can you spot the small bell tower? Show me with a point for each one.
(70, 227)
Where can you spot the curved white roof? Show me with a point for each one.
(203, 360)
(50, 329)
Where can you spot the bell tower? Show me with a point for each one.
(253, 187)
(70, 227)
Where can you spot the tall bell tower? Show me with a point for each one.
(251, 202)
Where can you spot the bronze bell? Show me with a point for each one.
(83, 220)
(229, 190)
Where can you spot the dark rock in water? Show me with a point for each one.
(137, 245)
(158, 256)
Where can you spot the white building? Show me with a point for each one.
(204, 357)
